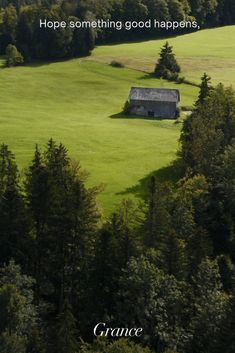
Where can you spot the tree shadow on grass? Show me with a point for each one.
(147, 76)
(46, 62)
(170, 174)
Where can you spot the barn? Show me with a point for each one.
(154, 102)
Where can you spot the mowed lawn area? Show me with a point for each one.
(211, 51)
(77, 103)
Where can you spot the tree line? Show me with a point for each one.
(166, 265)
(19, 22)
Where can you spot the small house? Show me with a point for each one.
(154, 102)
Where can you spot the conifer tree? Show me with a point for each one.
(205, 89)
(13, 219)
(157, 217)
(167, 66)
(117, 242)
(65, 219)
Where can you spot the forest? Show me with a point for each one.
(165, 264)
(19, 23)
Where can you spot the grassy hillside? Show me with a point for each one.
(211, 51)
(78, 102)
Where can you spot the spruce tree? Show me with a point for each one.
(167, 66)
(205, 89)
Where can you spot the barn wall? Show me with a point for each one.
(165, 110)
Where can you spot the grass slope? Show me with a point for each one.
(76, 102)
(211, 51)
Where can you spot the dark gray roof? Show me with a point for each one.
(154, 94)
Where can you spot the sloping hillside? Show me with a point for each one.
(211, 51)
(78, 102)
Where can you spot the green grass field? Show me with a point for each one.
(211, 51)
(78, 102)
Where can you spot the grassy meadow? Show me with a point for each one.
(210, 50)
(78, 102)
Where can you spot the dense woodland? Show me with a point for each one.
(19, 22)
(166, 264)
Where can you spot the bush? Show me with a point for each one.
(13, 56)
(118, 64)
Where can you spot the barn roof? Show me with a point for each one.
(154, 94)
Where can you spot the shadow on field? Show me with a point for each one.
(121, 115)
(46, 62)
(147, 76)
(170, 174)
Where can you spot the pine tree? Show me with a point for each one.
(205, 89)
(167, 66)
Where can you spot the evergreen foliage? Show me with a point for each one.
(167, 66)
(167, 266)
(204, 89)
(19, 23)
